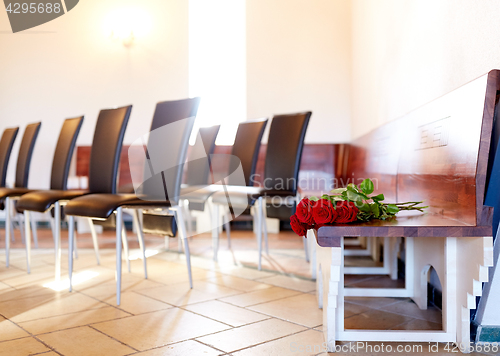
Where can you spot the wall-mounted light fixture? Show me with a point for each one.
(127, 25)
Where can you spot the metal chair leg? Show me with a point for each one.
(264, 224)
(140, 237)
(71, 239)
(125, 246)
(182, 232)
(8, 230)
(28, 240)
(215, 231)
(227, 226)
(94, 241)
(259, 230)
(119, 222)
(35, 232)
(57, 238)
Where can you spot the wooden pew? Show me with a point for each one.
(439, 154)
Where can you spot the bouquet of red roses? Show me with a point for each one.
(345, 205)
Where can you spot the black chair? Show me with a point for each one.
(59, 176)
(197, 173)
(104, 159)
(165, 156)
(245, 152)
(7, 195)
(6, 143)
(284, 152)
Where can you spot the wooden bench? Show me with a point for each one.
(438, 154)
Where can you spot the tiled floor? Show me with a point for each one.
(233, 308)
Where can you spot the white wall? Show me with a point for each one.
(298, 59)
(409, 52)
(70, 66)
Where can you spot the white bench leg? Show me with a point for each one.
(329, 261)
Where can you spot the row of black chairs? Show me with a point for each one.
(161, 194)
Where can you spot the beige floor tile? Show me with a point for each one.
(134, 303)
(25, 279)
(241, 284)
(299, 284)
(66, 321)
(375, 320)
(226, 313)
(260, 296)
(4, 287)
(43, 307)
(84, 341)
(108, 288)
(249, 335)
(306, 343)
(180, 294)
(185, 348)
(242, 272)
(22, 347)
(10, 331)
(301, 309)
(160, 328)
(409, 308)
(27, 292)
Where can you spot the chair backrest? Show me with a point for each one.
(25, 154)
(246, 147)
(198, 169)
(284, 151)
(64, 152)
(6, 143)
(106, 149)
(167, 148)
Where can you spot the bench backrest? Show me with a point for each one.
(437, 153)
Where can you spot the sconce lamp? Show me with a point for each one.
(128, 25)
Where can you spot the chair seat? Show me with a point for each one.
(42, 200)
(13, 192)
(103, 205)
(244, 196)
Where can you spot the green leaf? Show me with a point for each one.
(313, 198)
(365, 208)
(375, 209)
(367, 186)
(354, 196)
(378, 198)
(338, 191)
(352, 187)
(392, 209)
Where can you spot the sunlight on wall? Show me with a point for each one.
(217, 64)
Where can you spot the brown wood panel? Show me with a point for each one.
(322, 158)
(437, 153)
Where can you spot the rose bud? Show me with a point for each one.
(304, 211)
(324, 212)
(298, 227)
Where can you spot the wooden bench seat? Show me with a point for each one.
(439, 154)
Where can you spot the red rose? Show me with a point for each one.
(298, 227)
(347, 212)
(324, 212)
(304, 211)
